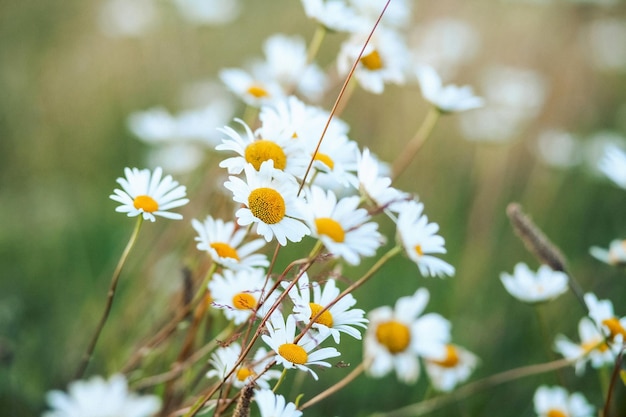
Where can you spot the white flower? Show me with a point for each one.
(342, 227)
(97, 397)
(601, 312)
(615, 255)
(376, 187)
(255, 87)
(272, 405)
(398, 13)
(334, 15)
(224, 359)
(395, 338)
(530, 287)
(238, 293)
(340, 318)
(613, 165)
(300, 355)
(455, 369)
(223, 242)
(145, 193)
(419, 239)
(209, 12)
(447, 99)
(556, 401)
(269, 196)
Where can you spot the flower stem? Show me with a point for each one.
(316, 43)
(406, 156)
(333, 389)
(109, 302)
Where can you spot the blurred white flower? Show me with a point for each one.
(601, 311)
(615, 255)
(449, 98)
(397, 15)
(556, 401)
(531, 287)
(273, 405)
(127, 18)
(209, 12)
(558, 148)
(98, 397)
(376, 187)
(334, 15)
(177, 158)
(613, 165)
(605, 42)
(453, 370)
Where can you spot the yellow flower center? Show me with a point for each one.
(257, 91)
(372, 61)
(293, 353)
(244, 301)
(594, 344)
(145, 203)
(325, 159)
(244, 373)
(418, 249)
(451, 359)
(615, 327)
(555, 413)
(331, 228)
(263, 150)
(224, 250)
(267, 205)
(326, 318)
(395, 336)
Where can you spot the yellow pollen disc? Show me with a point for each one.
(615, 327)
(325, 159)
(555, 413)
(146, 203)
(451, 359)
(257, 91)
(243, 373)
(326, 318)
(331, 228)
(418, 249)
(267, 205)
(263, 150)
(244, 301)
(372, 61)
(394, 335)
(293, 353)
(224, 250)
(594, 344)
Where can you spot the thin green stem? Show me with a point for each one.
(280, 380)
(413, 146)
(109, 302)
(316, 43)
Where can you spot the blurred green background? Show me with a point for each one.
(67, 90)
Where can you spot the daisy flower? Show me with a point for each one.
(342, 227)
(592, 347)
(286, 154)
(397, 15)
(449, 98)
(146, 193)
(223, 241)
(397, 337)
(334, 15)
(340, 318)
(601, 312)
(273, 405)
(384, 60)
(531, 287)
(270, 200)
(98, 397)
(455, 369)
(419, 239)
(254, 87)
(238, 293)
(615, 255)
(375, 186)
(224, 359)
(556, 401)
(301, 355)
(613, 165)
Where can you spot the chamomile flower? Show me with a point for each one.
(334, 15)
(145, 193)
(254, 87)
(342, 227)
(286, 154)
(601, 312)
(397, 337)
(419, 239)
(397, 15)
(269, 197)
(615, 255)
(556, 401)
(225, 246)
(273, 405)
(455, 369)
(449, 98)
(375, 186)
(340, 318)
(592, 347)
(238, 293)
(531, 287)
(301, 355)
(98, 397)
(224, 359)
(613, 165)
